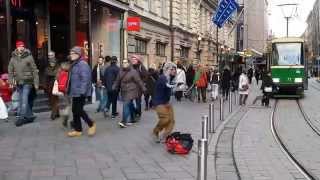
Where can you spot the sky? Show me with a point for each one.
(297, 25)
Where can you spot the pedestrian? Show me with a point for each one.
(97, 79)
(161, 101)
(190, 75)
(150, 85)
(131, 87)
(50, 74)
(65, 102)
(5, 90)
(23, 75)
(250, 74)
(257, 75)
(136, 62)
(214, 82)
(201, 82)
(225, 82)
(243, 88)
(79, 88)
(267, 88)
(110, 76)
(181, 82)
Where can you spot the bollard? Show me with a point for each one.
(221, 109)
(211, 118)
(202, 159)
(205, 123)
(235, 98)
(230, 102)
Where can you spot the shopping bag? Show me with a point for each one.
(3, 110)
(14, 101)
(55, 89)
(93, 97)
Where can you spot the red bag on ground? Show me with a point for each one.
(62, 81)
(177, 143)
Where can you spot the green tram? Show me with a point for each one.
(288, 67)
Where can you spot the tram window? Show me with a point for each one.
(287, 54)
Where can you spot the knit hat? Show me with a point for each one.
(77, 50)
(114, 59)
(19, 44)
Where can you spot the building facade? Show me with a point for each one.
(171, 30)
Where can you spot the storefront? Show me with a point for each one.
(57, 25)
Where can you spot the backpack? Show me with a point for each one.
(62, 81)
(178, 143)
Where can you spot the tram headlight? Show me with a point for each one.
(298, 80)
(276, 80)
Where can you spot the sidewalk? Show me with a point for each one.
(41, 150)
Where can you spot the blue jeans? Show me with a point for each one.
(137, 107)
(101, 94)
(128, 112)
(25, 104)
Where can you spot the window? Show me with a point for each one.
(141, 46)
(160, 49)
(287, 54)
(184, 53)
(164, 11)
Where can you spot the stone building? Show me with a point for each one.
(185, 23)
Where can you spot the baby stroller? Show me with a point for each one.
(189, 93)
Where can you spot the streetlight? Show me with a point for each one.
(198, 47)
(288, 11)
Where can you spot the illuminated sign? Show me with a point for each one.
(133, 23)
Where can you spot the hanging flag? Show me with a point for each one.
(224, 11)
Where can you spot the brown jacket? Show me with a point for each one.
(130, 84)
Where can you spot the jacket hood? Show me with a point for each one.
(24, 54)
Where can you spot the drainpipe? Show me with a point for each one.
(171, 30)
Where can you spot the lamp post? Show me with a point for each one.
(198, 48)
(288, 11)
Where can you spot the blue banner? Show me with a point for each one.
(224, 11)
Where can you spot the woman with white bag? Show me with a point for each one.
(243, 88)
(181, 82)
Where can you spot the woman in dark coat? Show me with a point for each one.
(267, 83)
(152, 77)
(190, 76)
(225, 82)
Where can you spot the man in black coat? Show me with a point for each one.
(110, 76)
(225, 82)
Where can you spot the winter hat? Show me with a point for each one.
(77, 50)
(19, 44)
(4, 76)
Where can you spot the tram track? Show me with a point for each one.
(301, 168)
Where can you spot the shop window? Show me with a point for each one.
(82, 28)
(141, 46)
(184, 53)
(160, 49)
(3, 36)
(106, 31)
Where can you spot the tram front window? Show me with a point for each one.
(287, 54)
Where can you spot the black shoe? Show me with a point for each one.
(122, 125)
(19, 122)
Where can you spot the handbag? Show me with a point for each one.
(55, 89)
(268, 89)
(209, 87)
(244, 87)
(3, 110)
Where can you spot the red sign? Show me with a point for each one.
(133, 23)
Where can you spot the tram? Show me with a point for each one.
(288, 67)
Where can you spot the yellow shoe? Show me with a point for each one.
(74, 134)
(92, 130)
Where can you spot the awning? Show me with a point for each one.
(250, 53)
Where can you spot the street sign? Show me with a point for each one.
(133, 23)
(224, 11)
